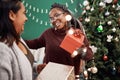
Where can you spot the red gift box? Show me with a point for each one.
(71, 43)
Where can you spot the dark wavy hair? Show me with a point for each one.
(74, 22)
(60, 6)
(8, 33)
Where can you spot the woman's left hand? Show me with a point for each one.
(77, 32)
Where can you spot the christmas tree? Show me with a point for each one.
(101, 20)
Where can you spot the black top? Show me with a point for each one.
(29, 55)
(51, 40)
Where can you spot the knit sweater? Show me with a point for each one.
(51, 40)
(14, 65)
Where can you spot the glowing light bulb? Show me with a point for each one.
(74, 53)
(68, 17)
(70, 31)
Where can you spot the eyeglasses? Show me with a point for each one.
(57, 15)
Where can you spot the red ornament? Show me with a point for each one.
(81, 19)
(118, 69)
(105, 58)
(101, 9)
(119, 21)
(115, 1)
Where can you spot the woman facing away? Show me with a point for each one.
(16, 61)
(52, 38)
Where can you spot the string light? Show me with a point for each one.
(76, 10)
(72, 1)
(66, 4)
(33, 9)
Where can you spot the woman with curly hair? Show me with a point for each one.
(52, 38)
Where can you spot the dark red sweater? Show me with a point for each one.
(51, 40)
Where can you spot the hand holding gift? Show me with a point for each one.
(73, 41)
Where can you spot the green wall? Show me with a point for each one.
(37, 13)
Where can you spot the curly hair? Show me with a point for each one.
(74, 22)
(60, 6)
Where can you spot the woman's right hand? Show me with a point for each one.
(40, 67)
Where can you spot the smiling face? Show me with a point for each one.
(57, 18)
(19, 19)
